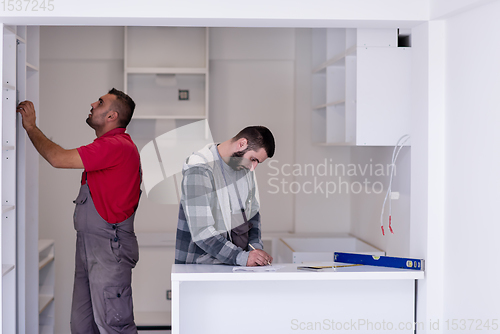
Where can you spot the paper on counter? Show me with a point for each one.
(258, 268)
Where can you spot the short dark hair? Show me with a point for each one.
(124, 105)
(258, 137)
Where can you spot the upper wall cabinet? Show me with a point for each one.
(361, 87)
(166, 72)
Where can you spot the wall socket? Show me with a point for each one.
(183, 95)
(395, 195)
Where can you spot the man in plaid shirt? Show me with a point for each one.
(219, 220)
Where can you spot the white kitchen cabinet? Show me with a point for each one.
(166, 73)
(46, 278)
(19, 182)
(8, 247)
(360, 87)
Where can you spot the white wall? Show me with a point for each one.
(315, 210)
(372, 168)
(439, 9)
(471, 289)
(252, 83)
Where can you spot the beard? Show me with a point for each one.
(95, 121)
(89, 121)
(236, 159)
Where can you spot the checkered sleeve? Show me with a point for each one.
(254, 235)
(200, 204)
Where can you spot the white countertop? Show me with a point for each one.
(201, 272)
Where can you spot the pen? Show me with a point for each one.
(347, 265)
(269, 263)
(327, 267)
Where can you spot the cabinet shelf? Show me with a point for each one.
(330, 104)
(337, 60)
(8, 86)
(7, 208)
(159, 62)
(43, 244)
(45, 261)
(46, 252)
(44, 301)
(6, 268)
(166, 70)
(46, 282)
(31, 67)
(8, 147)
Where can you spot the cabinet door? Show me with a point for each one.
(383, 95)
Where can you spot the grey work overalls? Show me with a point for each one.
(105, 256)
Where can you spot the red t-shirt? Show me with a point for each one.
(112, 168)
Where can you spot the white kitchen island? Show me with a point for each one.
(361, 299)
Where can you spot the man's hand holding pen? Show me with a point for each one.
(258, 257)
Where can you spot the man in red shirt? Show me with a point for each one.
(106, 246)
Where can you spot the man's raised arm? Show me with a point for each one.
(55, 155)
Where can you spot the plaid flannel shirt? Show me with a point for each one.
(202, 236)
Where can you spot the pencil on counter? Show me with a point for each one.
(347, 265)
(269, 263)
(326, 267)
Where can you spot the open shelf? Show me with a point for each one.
(6, 268)
(337, 60)
(31, 67)
(44, 301)
(330, 104)
(44, 244)
(166, 70)
(45, 261)
(7, 208)
(159, 63)
(45, 252)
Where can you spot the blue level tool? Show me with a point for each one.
(381, 261)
